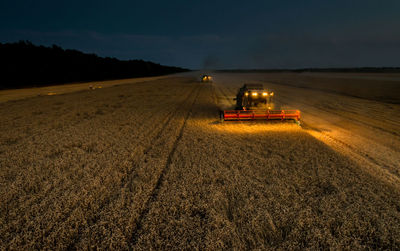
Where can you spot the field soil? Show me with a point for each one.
(149, 165)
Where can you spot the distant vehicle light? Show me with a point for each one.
(247, 94)
(265, 93)
(254, 94)
(272, 94)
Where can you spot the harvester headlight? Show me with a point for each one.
(247, 94)
(254, 94)
(272, 94)
(265, 93)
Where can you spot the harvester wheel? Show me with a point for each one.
(221, 116)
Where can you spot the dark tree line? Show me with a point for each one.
(24, 64)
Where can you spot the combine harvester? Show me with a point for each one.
(206, 79)
(254, 102)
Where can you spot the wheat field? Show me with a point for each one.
(150, 166)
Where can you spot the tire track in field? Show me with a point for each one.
(129, 175)
(165, 119)
(68, 214)
(165, 122)
(35, 132)
(156, 190)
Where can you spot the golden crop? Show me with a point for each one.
(149, 165)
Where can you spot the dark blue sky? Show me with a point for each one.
(215, 34)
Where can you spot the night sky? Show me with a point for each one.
(215, 34)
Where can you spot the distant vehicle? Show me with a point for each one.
(206, 79)
(252, 96)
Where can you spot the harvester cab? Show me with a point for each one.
(254, 102)
(206, 79)
(253, 96)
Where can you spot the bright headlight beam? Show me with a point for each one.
(265, 93)
(254, 94)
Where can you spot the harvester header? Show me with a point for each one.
(231, 115)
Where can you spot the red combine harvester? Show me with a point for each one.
(254, 102)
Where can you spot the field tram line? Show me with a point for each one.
(166, 120)
(96, 217)
(53, 186)
(164, 123)
(156, 190)
(129, 174)
(46, 131)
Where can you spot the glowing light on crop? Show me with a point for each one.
(254, 128)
